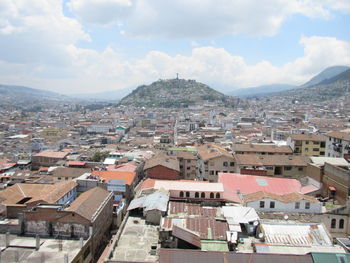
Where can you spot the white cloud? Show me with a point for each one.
(101, 11)
(36, 32)
(93, 71)
(201, 18)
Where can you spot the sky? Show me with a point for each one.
(88, 46)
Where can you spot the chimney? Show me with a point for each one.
(65, 258)
(238, 191)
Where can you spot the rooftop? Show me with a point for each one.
(247, 184)
(135, 243)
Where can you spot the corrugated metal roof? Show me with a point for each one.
(181, 208)
(296, 234)
(156, 201)
(187, 236)
(239, 215)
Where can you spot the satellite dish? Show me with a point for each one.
(261, 235)
(256, 223)
(286, 217)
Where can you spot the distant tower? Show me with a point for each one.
(177, 75)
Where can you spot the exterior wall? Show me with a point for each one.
(192, 194)
(314, 172)
(153, 216)
(161, 172)
(38, 161)
(39, 227)
(312, 148)
(338, 178)
(69, 197)
(13, 211)
(53, 222)
(333, 151)
(286, 207)
(188, 168)
(216, 165)
(101, 224)
(285, 171)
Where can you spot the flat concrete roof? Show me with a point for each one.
(22, 249)
(135, 242)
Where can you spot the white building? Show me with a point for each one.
(289, 203)
(337, 143)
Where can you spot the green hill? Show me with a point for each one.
(175, 93)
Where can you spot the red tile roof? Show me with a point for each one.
(128, 177)
(247, 184)
(52, 154)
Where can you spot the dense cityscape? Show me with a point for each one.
(145, 131)
(262, 177)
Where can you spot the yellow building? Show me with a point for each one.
(307, 144)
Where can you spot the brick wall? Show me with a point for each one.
(161, 172)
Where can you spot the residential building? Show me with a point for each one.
(261, 148)
(288, 203)
(272, 165)
(338, 144)
(213, 160)
(336, 182)
(47, 158)
(90, 215)
(307, 144)
(162, 167)
(19, 197)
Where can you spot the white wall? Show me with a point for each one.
(286, 207)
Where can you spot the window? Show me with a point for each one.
(262, 204)
(288, 168)
(188, 168)
(218, 195)
(341, 223)
(333, 223)
(211, 163)
(307, 205)
(232, 164)
(297, 205)
(316, 143)
(196, 195)
(58, 178)
(323, 144)
(187, 194)
(181, 194)
(300, 169)
(211, 172)
(188, 161)
(202, 195)
(211, 195)
(225, 164)
(315, 149)
(306, 150)
(307, 142)
(272, 204)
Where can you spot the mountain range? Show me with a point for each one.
(331, 82)
(267, 90)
